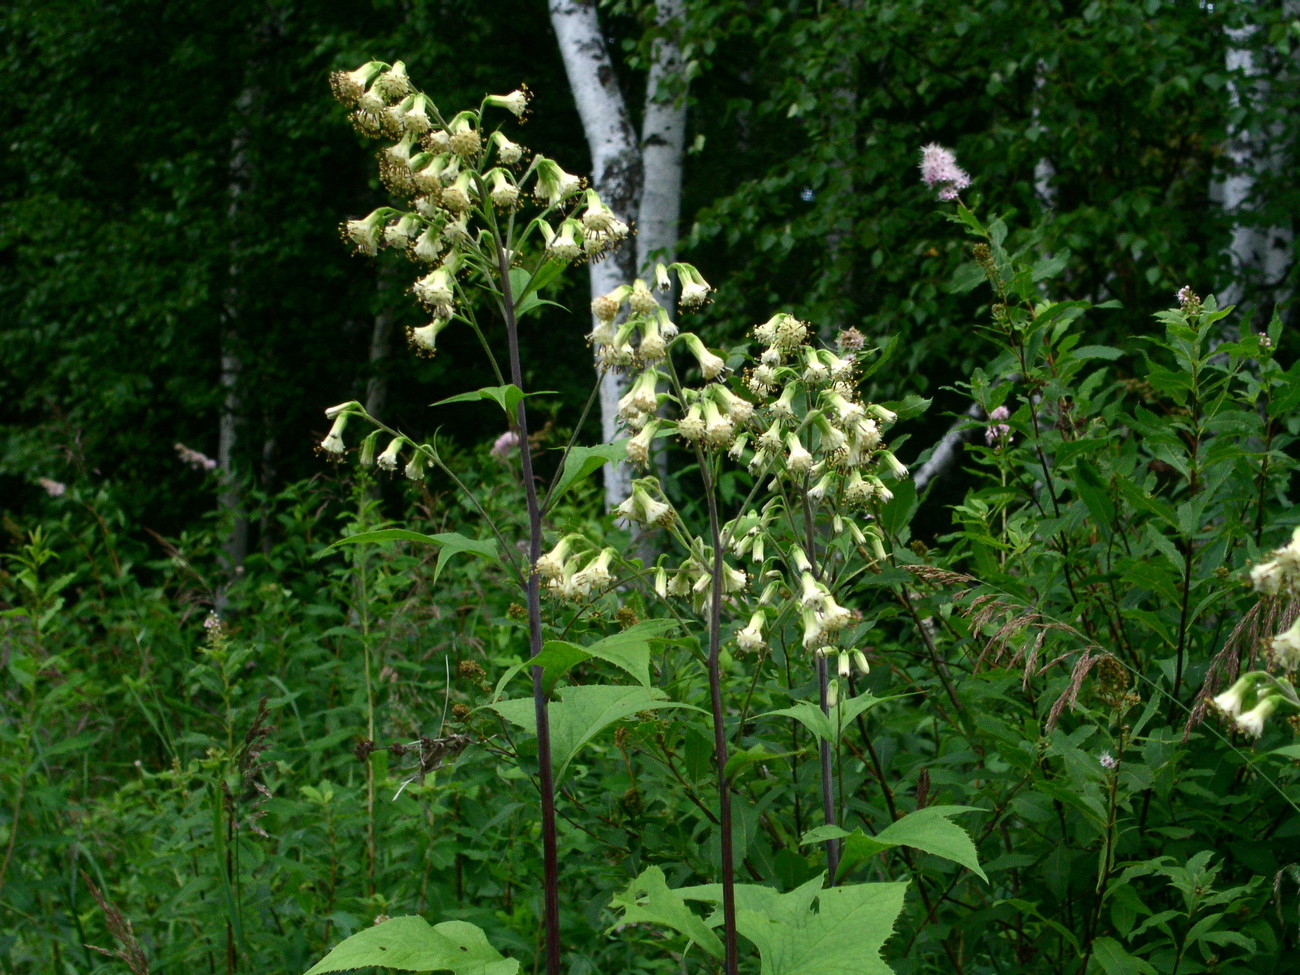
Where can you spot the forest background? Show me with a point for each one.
(171, 274)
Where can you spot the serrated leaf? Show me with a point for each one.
(583, 712)
(411, 944)
(931, 831)
(842, 937)
(582, 462)
(648, 899)
(630, 649)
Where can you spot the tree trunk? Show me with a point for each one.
(1259, 255)
(233, 418)
(640, 182)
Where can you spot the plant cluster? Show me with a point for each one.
(758, 699)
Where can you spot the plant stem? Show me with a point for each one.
(719, 724)
(546, 774)
(828, 781)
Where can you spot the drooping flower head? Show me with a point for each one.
(939, 169)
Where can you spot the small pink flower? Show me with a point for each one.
(196, 460)
(998, 433)
(939, 169)
(54, 489)
(506, 444)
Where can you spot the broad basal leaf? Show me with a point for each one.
(411, 944)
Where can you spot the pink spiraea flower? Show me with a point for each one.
(998, 433)
(53, 488)
(505, 445)
(939, 169)
(196, 460)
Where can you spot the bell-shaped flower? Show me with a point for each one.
(711, 366)
(1286, 648)
(516, 103)
(1252, 721)
(750, 639)
(553, 183)
(1231, 701)
(504, 192)
(424, 340)
(415, 466)
(508, 153)
(638, 448)
(333, 442)
(387, 461)
(798, 460)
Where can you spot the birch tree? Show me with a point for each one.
(638, 176)
(1259, 254)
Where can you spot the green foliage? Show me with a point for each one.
(411, 944)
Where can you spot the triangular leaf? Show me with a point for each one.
(582, 462)
(507, 397)
(930, 830)
(630, 649)
(843, 937)
(411, 944)
(649, 899)
(824, 726)
(582, 713)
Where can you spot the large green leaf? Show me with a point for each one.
(582, 713)
(928, 830)
(842, 937)
(582, 462)
(507, 397)
(629, 650)
(1114, 960)
(649, 899)
(827, 726)
(411, 944)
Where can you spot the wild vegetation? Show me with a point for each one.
(953, 636)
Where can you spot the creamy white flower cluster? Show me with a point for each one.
(645, 333)
(1256, 695)
(793, 415)
(1280, 573)
(1251, 701)
(443, 171)
(575, 570)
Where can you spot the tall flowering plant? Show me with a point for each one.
(763, 577)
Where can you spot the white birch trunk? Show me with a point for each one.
(663, 143)
(1260, 256)
(231, 501)
(1044, 168)
(639, 181)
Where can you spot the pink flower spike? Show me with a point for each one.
(939, 169)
